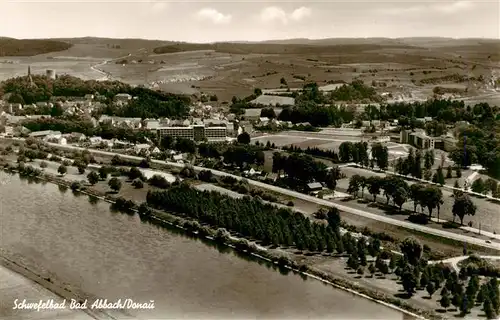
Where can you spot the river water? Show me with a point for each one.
(112, 255)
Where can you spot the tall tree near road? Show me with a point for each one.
(431, 198)
(374, 186)
(415, 195)
(463, 206)
(244, 138)
(381, 155)
(412, 250)
(429, 159)
(399, 197)
(354, 185)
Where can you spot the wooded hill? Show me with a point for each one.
(30, 47)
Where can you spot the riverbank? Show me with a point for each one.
(339, 280)
(16, 285)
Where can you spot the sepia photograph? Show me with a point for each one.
(239, 159)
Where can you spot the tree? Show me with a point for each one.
(416, 194)
(62, 169)
(75, 186)
(354, 184)
(167, 142)
(488, 309)
(360, 271)
(463, 206)
(393, 261)
(115, 184)
(93, 177)
(363, 184)
(267, 113)
(457, 193)
(206, 176)
(456, 300)
(333, 218)
(43, 164)
(491, 185)
(449, 173)
(428, 159)
(134, 173)
(371, 269)
(332, 176)
(81, 168)
(412, 250)
(345, 151)
(483, 293)
(384, 268)
(352, 262)
(458, 172)
(424, 279)
(431, 198)
(381, 155)
(445, 302)
(444, 291)
(374, 186)
(244, 138)
(478, 186)
(138, 184)
(464, 305)
(103, 173)
(400, 196)
(374, 247)
(409, 282)
(431, 288)
(439, 176)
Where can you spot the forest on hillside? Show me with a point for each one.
(14, 47)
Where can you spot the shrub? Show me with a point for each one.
(75, 186)
(418, 218)
(321, 214)
(137, 183)
(206, 176)
(144, 210)
(290, 204)
(451, 225)
(222, 236)
(159, 181)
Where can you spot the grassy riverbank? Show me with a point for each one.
(282, 260)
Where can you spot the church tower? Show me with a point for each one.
(32, 84)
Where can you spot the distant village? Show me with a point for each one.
(205, 123)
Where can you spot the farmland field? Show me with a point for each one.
(406, 68)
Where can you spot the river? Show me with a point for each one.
(112, 255)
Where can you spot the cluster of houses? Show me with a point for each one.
(69, 105)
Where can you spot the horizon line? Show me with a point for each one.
(257, 41)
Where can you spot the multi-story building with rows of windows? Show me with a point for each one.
(194, 132)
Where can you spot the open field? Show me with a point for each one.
(408, 68)
(328, 139)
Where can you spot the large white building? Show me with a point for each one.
(194, 132)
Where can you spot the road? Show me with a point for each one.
(456, 260)
(291, 193)
(107, 75)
